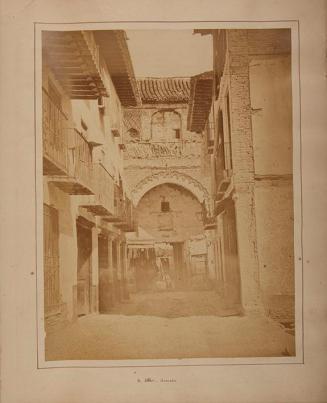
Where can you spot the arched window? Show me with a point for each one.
(166, 126)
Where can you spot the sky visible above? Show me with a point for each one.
(169, 53)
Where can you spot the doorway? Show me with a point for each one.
(84, 252)
(51, 261)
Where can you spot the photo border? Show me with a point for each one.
(294, 25)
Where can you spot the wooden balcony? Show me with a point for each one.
(55, 137)
(102, 202)
(118, 212)
(74, 58)
(79, 178)
(123, 216)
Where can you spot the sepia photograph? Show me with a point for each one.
(168, 196)
(162, 211)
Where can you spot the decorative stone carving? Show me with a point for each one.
(143, 150)
(174, 177)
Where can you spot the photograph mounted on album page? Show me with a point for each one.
(165, 239)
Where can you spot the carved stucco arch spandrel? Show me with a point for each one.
(174, 177)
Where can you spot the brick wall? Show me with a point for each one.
(261, 135)
(240, 107)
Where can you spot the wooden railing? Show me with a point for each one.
(80, 166)
(104, 187)
(54, 125)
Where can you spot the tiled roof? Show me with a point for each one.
(164, 90)
(200, 101)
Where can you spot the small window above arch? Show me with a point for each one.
(165, 206)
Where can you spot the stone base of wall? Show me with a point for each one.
(282, 309)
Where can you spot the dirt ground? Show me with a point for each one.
(168, 325)
(172, 304)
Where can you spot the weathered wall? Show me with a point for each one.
(271, 104)
(182, 222)
(274, 220)
(148, 115)
(274, 205)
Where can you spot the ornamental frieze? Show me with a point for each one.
(162, 150)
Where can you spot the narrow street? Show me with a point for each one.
(168, 325)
